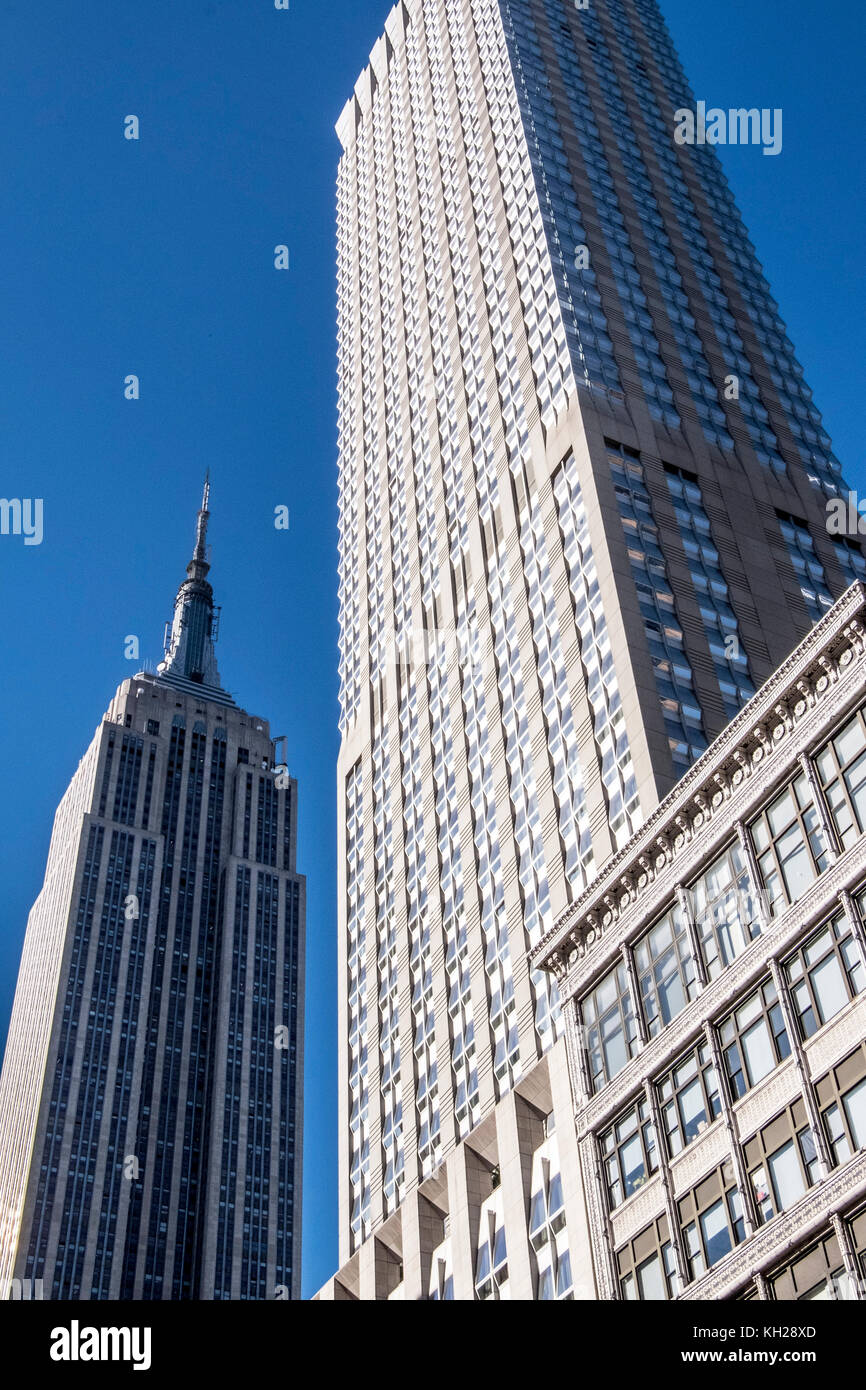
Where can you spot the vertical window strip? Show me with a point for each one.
(682, 713)
(711, 589)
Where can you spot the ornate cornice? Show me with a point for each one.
(825, 674)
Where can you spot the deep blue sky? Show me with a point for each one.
(156, 258)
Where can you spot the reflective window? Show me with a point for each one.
(602, 689)
(647, 1266)
(442, 1274)
(724, 906)
(491, 1265)
(673, 673)
(666, 971)
(807, 567)
(857, 1230)
(689, 1099)
(611, 1028)
(842, 1098)
(790, 845)
(814, 1275)
(851, 560)
(782, 1162)
(825, 975)
(754, 1040)
(711, 590)
(842, 770)
(712, 1220)
(629, 1154)
(548, 1232)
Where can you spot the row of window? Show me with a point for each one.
(720, 914)
(819, 1273)
(752, 1040)
(781, 1162)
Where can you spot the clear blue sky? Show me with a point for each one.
(156, 258)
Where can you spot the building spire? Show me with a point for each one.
(189, 651)
(199, 556)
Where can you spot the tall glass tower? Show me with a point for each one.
(150, 1099)
(583, 489)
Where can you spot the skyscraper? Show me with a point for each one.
(150, 1099)
(582, 518)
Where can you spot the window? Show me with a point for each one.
(790, 845)
(712, 1220)
(673, 673)
(842, 1098)
(629, 1154)
(782, 1162)
(711, 589)
(243, 755)
(842, 770)
(611, 1028)
(818, 1274)
(857, 1230)
(153, 726)
(666, 971)
(646, 1266)
(824, 975)
(724, 905)
(689, 1099)
(754, 1040)
(491, 1269)
(564, 1277)
(850, 559)
(807, 567)
(548, 1234)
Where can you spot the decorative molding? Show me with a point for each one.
(700, 1158)
(626, 916)
(836, 1040)
(638, 1211)
(599, 1234)
(767, 1099)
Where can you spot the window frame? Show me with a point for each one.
(670, 1101)
(705, 920)
(856, 1225)
(780, 898)
(731, 1033)
(799, 973)
(805, 1266)
(623, 1007)
(832, 1091)
(685, 973)
(651, 1244)
(718, 1188)
(611, 1146)
(839, 780)
(789, 1129)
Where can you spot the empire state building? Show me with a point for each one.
(151, 1093)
